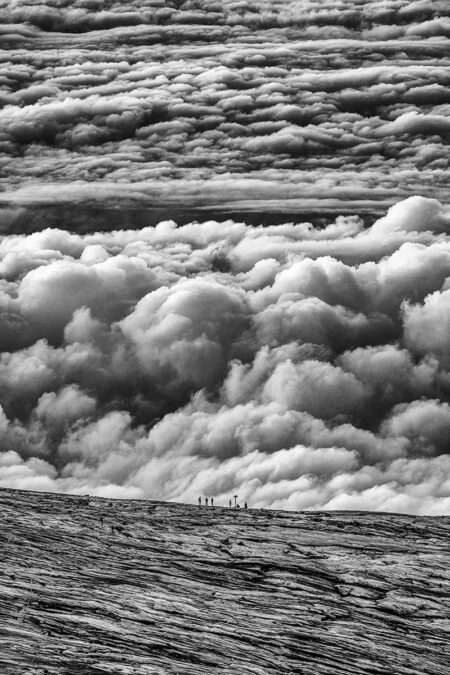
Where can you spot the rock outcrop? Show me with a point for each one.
(90, 586)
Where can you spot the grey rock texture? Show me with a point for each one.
(92, 586)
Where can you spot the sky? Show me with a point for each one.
(225, 253)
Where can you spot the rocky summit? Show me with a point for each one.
(91, 586)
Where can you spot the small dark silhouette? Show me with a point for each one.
(206, 501)
(230, 503)
(245, 505)
(235, 498)
(212, 501)
(238, 506)
(199, 501)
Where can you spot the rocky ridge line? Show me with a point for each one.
(93, 586)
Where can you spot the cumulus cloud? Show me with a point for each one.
(298, 367)
(427, 325)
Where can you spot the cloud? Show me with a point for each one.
(427, 325)
(426, 422)
(184, 336)
(48, 295)
(337, 103)
(224, 251)
(62, 409)
(298, 367)
(319, 388)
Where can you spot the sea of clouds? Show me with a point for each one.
(300, 365)
(293, 366)
(320, 94)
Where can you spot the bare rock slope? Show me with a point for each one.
(97, 586)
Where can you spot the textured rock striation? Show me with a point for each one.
(91, 586)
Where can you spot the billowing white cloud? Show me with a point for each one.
(297, 367)
(427, 325)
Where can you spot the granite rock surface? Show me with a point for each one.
(91, 586)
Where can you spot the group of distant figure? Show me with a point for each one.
(210, 500)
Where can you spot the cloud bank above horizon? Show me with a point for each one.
(294, 366)
(292, 346)
(321, 95)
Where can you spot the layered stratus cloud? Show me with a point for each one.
(294, 366)
(341, 101)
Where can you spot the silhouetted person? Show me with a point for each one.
(229, 503)
(212, 501)
(245, 505)
(238, 506)
(199, 501)
(206, 501)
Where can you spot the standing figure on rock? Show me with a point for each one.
(212, 501)
(199, 501)
(245, 505)
(229, 504)
(206, 501)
